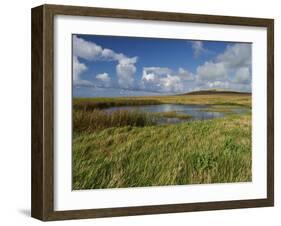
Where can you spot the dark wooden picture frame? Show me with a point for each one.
(42, 203)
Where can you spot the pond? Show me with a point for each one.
(196, 111)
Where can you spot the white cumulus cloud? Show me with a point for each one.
(171, 83)
(125, 73)
(243, 75)
(85, 49)
(162, 79)
(157, 70)
(236, 56)
(125, 68)
(78, 69)
(185, 74)
(210, 71)
(197, 47)
(229, 70)
(104, 79)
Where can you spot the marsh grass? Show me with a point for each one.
(227, 109)
(126, 148)
(214, 99)
(211, 151)
(96, 120)
(87, 104)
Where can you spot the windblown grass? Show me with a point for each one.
(211, 151)
(125, 148)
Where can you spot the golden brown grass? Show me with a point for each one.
(214, 99)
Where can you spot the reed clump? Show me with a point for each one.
(96, 119)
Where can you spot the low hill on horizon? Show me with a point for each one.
(215, 91)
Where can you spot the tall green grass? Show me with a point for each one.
(211, 151)
(96, 120)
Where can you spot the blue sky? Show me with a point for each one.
(133, 66)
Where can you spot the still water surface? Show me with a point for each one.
(196, 111)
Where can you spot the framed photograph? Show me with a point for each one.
(141, 112)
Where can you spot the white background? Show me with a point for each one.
(15, 112)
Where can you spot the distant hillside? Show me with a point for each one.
(214, 91)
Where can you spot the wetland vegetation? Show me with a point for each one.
(161, 140)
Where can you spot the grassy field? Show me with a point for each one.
(213, 99)
(127, 149)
